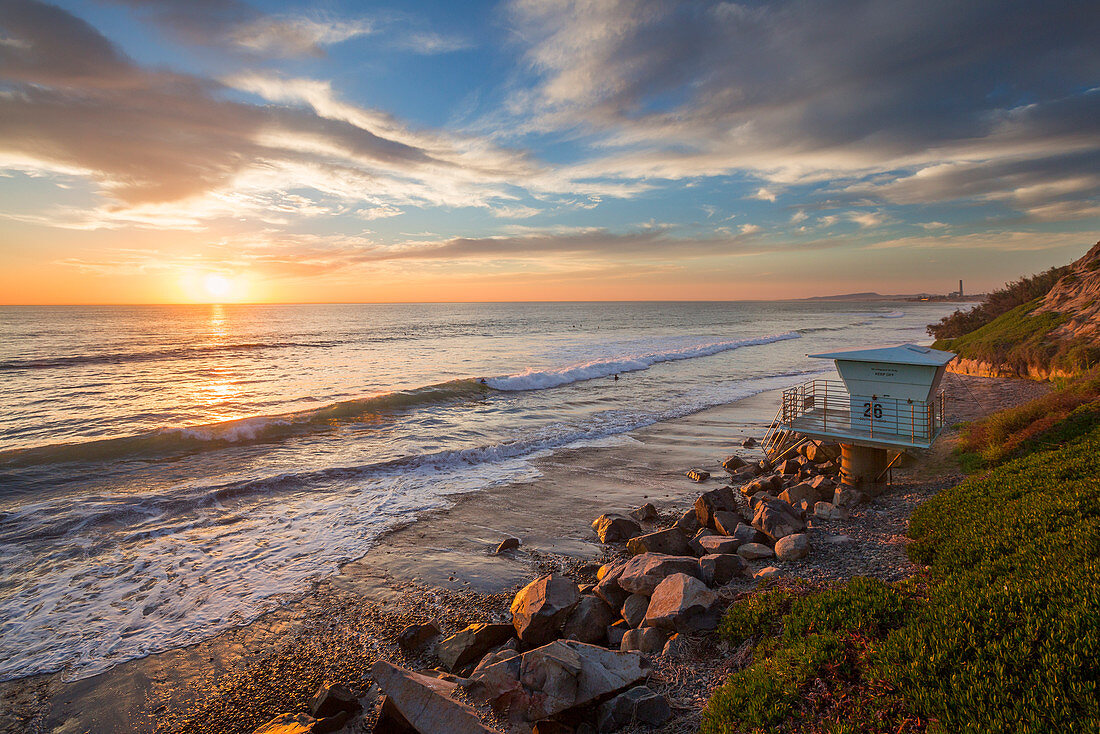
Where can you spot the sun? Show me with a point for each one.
(218, 286)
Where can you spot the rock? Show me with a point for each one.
(718, 569)
(331, 699)
(790, 466)
(639, 705)
(756, 499)
(829, 468)
(426, 702)
(804, 507)
(390, 720)
(829, 511)
(558, 677)
(824, 486)
(551, 726)
(748, 443)
(288, 724)
(615, 528)
(803, 491)
(844, 496)
(776, 519)
(792, 547)
(609, 590)
(645, 513)
(839, 540)
(616, 632)
(497, 656)
(506, 545)
(676, 647)
(725, 522)
(634, 609)
(416, 636)
(683, 603)
(733, 463)
(643, 573)
(670, 542)
(755, 551)
(743, 475)
(694, 543)
(823, 452)
(698, 475)
(648, 640)
(747, 534)
(688, 524)
(719, 544)
(589, 620)
(714, 501)
(770, 572)
(463, 648)
(332, 723)
(540, 609)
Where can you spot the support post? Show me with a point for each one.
(861, 466)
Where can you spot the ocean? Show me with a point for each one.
(169, 471)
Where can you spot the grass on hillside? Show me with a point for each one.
(1019, 340)
(1004, 636)
(1047, 422)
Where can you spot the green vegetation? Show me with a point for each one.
(1014, 294)
(1020, 340)
(1001, 635)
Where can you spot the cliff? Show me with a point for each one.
(1054, 335)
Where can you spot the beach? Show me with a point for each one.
(441, 568)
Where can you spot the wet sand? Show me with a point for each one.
(441, 568)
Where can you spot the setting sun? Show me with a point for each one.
(218, 286)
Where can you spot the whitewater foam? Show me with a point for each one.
(542, 379)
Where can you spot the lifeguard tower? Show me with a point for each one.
(888, 399)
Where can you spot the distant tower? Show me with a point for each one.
(960, 288)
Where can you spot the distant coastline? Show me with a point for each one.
(873, 297)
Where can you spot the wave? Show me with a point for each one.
(892, 315)
(542, 379)
(151, 355)
(173, 441)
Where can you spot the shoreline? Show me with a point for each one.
(440, 567)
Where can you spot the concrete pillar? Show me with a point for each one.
(859, 467)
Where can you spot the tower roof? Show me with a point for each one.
(900, 354)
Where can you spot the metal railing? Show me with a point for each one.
(827, 406)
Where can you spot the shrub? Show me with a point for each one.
(1001, 301)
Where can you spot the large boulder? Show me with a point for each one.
(425, 702)
(725, 521)
(463, 648)
(332, 699)
(416, 636)
(824, 486)
(682, 603)
(614, 528)
(733, 463)
(642, 573)
(719, 569)
(716, 500)
(558, 677)
(634, 609)
(688, 524)
(645, 513)
(755, 551)
(698, 475)
(790, 466)
(747, 534)
(288, 724)
(777, 519)
(719, 544)
(608, 588)
(829, 511)
(694, 543)
(670, 542)
(845, 496)
(803, 491)
(589, 620)
(638, 705)
(823, 452)
(540, 609)
(792, 547)
(647, 640)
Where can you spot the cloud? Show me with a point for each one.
(177, 145)
(798, 92)
(237, 25)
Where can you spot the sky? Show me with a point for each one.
(223, 150)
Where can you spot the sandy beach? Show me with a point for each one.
(441, 568)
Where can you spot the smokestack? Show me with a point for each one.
(960, 288)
